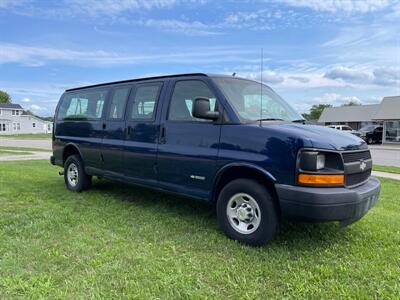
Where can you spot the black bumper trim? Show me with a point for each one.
(328, 204)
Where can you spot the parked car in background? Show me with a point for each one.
(372, 133)
(220, 139)
(346, 129)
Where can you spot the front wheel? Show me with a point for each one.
(247, 213)
(75, 176)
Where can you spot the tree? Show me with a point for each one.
(352, 103)
(4, 97)
(316, 111)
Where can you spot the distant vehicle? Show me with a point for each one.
(345, 128)
(220, 139)
(372, 133)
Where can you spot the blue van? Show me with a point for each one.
(229, 141)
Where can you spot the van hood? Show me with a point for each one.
(321, 137)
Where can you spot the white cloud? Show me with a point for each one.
(336, 99)
(11, 3)
(26, 100)
(268, 76)
(336, 6)
(35, 107)
(112, 7)
(385, 76)
(172, 25)
(348, 74)
(37, 56)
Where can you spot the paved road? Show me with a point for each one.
(386, 175)
(31, 143)
(33, 156)
(385, 156)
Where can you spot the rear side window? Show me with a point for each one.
(145, 100)
(87, 105)
(118, 101)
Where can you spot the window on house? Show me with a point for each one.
(1, 112)
(34, 125)
(18, 126)
(86, 105)
(2, 127)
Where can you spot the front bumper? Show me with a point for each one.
(328, 204)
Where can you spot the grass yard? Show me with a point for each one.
(27, 149)
(28, 136)
(6, 152)
(395, 170)
(118, 241)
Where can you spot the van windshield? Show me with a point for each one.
(245, 97)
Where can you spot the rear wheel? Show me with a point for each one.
(370, 141)
(247, 213)
(75, 176)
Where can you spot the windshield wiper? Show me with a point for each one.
(270, 119)
(299, 121)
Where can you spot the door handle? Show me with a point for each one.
(104, 126)
(130, 131)
(163, 138)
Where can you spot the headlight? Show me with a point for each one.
(320, 161)
(320, 168)
(312, 161)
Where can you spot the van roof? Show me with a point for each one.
(139, 79)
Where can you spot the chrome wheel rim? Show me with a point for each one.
(243, 213)
(72, 174)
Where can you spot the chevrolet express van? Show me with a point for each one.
(222, 139)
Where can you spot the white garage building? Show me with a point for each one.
(14, 121)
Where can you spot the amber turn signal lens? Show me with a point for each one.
(321, 179)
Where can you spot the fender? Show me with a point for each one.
(70, 144)
(247, 165)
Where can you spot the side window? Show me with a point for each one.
(118, 101)
(87, 105)
(144, 102)
(185, 91)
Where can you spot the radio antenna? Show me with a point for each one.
(261, 83)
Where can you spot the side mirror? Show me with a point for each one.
(201, 109)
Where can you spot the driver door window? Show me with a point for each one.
(184, 94)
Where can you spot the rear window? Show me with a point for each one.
(87, 105)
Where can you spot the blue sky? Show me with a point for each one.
(315, 51)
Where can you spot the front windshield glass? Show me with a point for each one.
(367, 128)
(245, 98)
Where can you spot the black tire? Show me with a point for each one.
(269, 223)
(83, 181)
(370, 141)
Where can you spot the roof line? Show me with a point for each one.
(134, 80)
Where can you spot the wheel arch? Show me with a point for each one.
(70, 149)
(243, 170)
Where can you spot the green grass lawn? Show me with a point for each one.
(387, 169)
(7, 148)
(6, 152)
(28, 136)
(118, 241)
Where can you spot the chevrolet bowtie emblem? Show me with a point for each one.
(363, 165)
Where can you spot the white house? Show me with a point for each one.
(14, 121)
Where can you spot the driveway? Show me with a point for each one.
(385, 155)
(30, 143)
